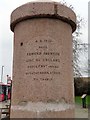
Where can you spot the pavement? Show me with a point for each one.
(79, 111)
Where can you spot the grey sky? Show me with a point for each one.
(6, 36)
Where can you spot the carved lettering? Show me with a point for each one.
(42, 61)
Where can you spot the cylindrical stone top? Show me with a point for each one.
(43, 10)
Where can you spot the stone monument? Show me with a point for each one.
(42, 84)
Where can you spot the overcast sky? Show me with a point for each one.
(6, 36)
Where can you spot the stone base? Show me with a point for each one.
(42, 110)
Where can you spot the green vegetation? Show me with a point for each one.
(88, 99)
(78, 100)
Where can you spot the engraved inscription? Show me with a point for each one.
(42, 59)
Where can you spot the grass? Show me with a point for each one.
(78, 100)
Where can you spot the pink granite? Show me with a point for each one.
(42, 66)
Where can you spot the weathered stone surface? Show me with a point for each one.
(42, 72)
(43, 110)
(43, 9)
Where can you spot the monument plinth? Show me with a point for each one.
(42, 73)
